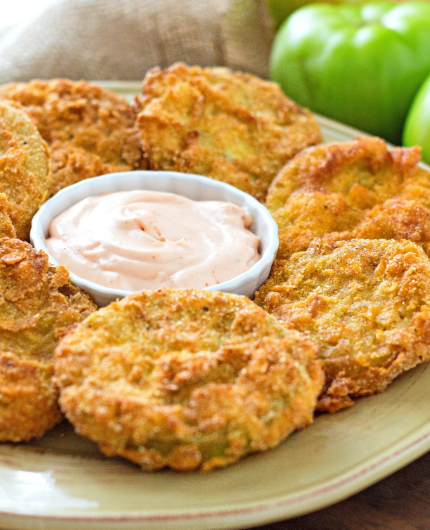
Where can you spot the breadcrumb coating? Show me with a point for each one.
(90, 130)
(25, 171)
(6, 227)
(351, 190)
(38, 306)
(226, 125)
(366, 303)
(186, 379)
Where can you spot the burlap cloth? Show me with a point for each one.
(121, 39)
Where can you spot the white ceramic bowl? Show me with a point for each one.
(192, 186)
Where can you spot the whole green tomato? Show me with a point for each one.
(359, 65)
(417, 126)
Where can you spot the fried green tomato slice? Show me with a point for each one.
(366, 303)
(25, 170)
(89, 129)
(186, 379)
(227, 125)
(351, 190)
(38, 306)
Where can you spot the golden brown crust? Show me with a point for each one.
(366, 303)
(90, 130)
(186, 379)
(38, 306)
(25, 170)
(226, 125)
(6, 227)
(351, 190)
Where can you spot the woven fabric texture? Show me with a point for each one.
(122, 39)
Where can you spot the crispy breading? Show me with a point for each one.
(25, 170)
(6, 227)
(226, 125)
(350, 190)
(90, 130)
(186, 379)
(366, 303)
(38, 306)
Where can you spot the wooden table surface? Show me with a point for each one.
(399, 502)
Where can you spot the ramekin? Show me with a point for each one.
(194, 187)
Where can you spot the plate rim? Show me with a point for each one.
(310, 500)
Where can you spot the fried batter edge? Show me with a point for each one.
(28, 400)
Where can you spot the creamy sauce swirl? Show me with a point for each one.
(136, 240)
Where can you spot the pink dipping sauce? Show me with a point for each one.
(134, 240)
